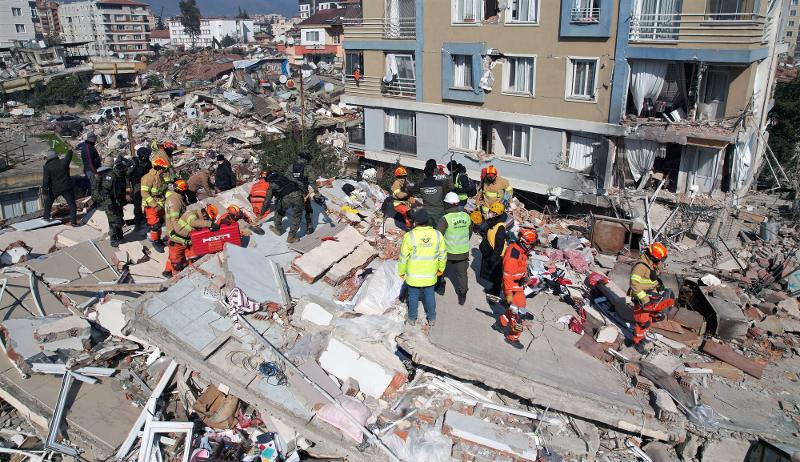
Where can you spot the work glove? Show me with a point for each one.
(257, 230)
(645, 300)
(214, 227)
(658, 317)
(319, 199)
(439, 274)
(188, 242)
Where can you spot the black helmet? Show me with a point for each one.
(143, 153)
(122, 163)
(304, 154)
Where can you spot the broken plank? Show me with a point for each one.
(111, 287)
(720, 369)
(689, 339)
(726, 354)
(668, 325)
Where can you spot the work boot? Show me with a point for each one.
(291, 239)
(441, 286)
(431, 322)
(411, 322)
(515, 343)
(275, 230)
(310, 230)
(166, 274)
(158, 246)
(462, 299)
(114, 243)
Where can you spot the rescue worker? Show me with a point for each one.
(299, 174)
(235, 214)
(456, 227)
(180, 241)
(197, 181)
(287, 196)
(492, 247)
(154, 188)
(515, 275)
(462, 185)
(494, 189)
(258, 194)
(90, 158)
(423, 258)
(169, 148)
(56, 181)
(140, 165)
(224, 178)
(401, 193)
(645, 289)
(108, 193)
(432, 191)
(174, 208)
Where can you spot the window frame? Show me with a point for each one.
(20, 28)
(388, 113)
(509, 21)
(454, 13)
(567, 134)
(507, 74)
(16, 12)
(511, 158)
(467, 72)
(569, 81)
(451, 135)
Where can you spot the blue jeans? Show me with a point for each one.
(428, 301)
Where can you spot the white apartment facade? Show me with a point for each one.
(16, 21)
(119, 28)
(241, 30)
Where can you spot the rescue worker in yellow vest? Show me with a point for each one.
(456, 227)
(423, 257)
(174, 208)
(493, 189)
(180, 241)
(645, 289)
(492, 248)
(154, 187)
(401, 193)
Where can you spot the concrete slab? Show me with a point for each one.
(72, 236)
(39, 240)
(493, 436)
(315, 263)
(360, 258)
(252, 273)
(36, 223)
(99, 221)
(346, 362)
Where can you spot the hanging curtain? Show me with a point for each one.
(466, 134)
(391, 68)
(460, 71)
(391, 122)
(647, 80)
(393, 19)
(581, 151)
(641, 154)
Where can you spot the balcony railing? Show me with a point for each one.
(375, 86)
(715, 28)
(400, 143)
(381, 28)
(585, 15)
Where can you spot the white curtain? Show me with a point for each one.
(581, 151)
(647, 80)
(742, 162)
(641, 154)
(391, 68)
(393, 19)
(462, 73)
(466, 134)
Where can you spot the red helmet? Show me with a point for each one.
(491, 170)
(180, 185)
(528, 236)
(400, 171)
(160, 162)
(234, 209)
(657, 251)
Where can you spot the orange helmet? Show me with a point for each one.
(491, 170)
(168, 145)
(400, 171)
(160, 162)
(234, 209)
(212, 211)
(180, 185)
(528, 236)
(657, 251)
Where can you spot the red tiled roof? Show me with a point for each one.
(332, 16)
(160, 34)
(123, 2)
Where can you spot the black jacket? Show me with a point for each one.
(55, 178)
(89, 156)
(224, 177)
(280, 186)
(137, 170)
(432, 192)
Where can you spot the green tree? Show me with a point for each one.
(785, 132)
(154, 81)
(190, 18)
(227, 41)
(279, 155)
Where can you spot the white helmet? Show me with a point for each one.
(451, 198)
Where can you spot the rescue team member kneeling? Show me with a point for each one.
(180, 242)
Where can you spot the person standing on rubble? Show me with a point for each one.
(432, 191)
(224, 178)
(401, 193)
(174, 208)
(456, 227)
(493, 247)
(494, 189)
(197, 181)
(56, 181)
(299, 174)
(140, 165)
(108, 193)
(462, 185)
(154, 188)
(89, 157)
(645, 289)
(423, 258)
(287, 196)
(258, 194)
(515, 275)
(180, 249)
(169, 148)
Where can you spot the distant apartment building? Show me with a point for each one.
(321, 36)
(309, 8)
(119, 28)
(17, 18)
(160, 37)
(241, 30)
(576, 102)
(47, 11)
(791, 31)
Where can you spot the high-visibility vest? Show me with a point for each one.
(457, 183)
(422, 255)
(456, 236)
(492, 232)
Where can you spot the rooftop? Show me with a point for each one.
(331, 17)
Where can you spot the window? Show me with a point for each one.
(16, 11)
(20, 28)
(789, 33)
(519, 74)
(523, 11)
(311, 36)
(730, 9)
(793, 13)
(467, 11)
(466, 134)
(462, 71)
(354, 60)
(714, 92)
(580, 151)
(400, 131)
(512, 141)
(581, 79)
(586, 11)
(791, 23)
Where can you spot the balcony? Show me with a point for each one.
(375, 86)
(585, 15)
(400, 143)
(698, 28)
(381, 28)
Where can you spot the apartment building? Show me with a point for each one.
(17, 19)
(119, 28)
(309, 8)
(50, 23)
(241, 30)
(570, 102)
(791, 31)
(321, 36)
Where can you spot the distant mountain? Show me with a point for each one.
(287, 8)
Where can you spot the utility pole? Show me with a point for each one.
(302, 110)
(128, 123)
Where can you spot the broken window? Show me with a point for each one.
(581, 78)
(462, 71)
(512, 141)
(400, 77)
(714, 93)
(519, 75)
(586, 11)
(580, 151)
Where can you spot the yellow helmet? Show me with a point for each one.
(497, 208)
(476, 216)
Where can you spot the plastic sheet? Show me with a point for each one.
(379, 291)
(424, 445)
(334, 416)
(367, 328)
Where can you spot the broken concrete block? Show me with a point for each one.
(725, 450)
(74, 236)
(315, 263)
(357, 260)
(132, 252)
(312, 312)
(62, 329)
(21, 341)
(790, 307)
(15, 253)
(665, 407)
(606, 334)
(493, 436)
(345, 362)
(711, 280)
(98, 221)
(111, 317)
